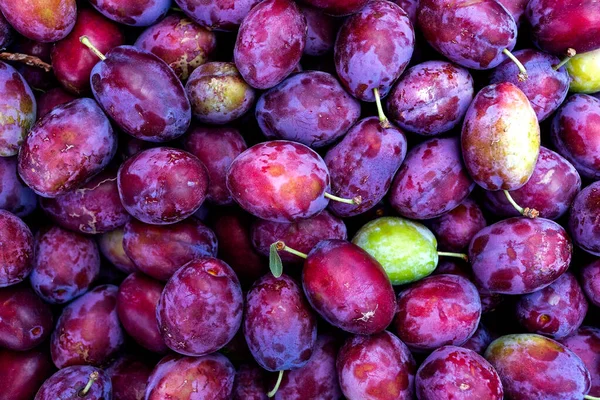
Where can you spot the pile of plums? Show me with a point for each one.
(299, 199)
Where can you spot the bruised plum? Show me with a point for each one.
(219, 15)
(133, 12)
(590, 281)
(455, 229)
(111, 247)
(585, 343)
(41, 20)
(23, 372)
(54, 97)
(69, 384)
(270, 42)
(16, 249)
(15, 197)
(377, 367)
(584, 223)
(129, 376)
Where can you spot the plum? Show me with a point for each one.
(218, 15)
(15, 197)
(191, 378)
(52, 98)
(585, 343)
(133, 12)
(480, 340)
(250, 383)
(218, 94)
(25, 320)
(309, 107)
(270, 42)
(64, 266)
(372, 49)
(200, 308)
(574, 133)
(93, 208)
(23, 372)
(348, 287)
(377, 367)
(16, 249)
(432, 180)
(436, 311)
(519, 255)
(455, 229)
(452, 372)
(536, 367)
(162, 185)
(66, 148)
(129, 376)
(88, 330)
(545, 87)
(6, 32)
(136, 308)
(551, 189)
(72, 63)
(431, 98)
(338, 7)
(41, 20)
(581, 69)
(584, 223)
(590, 282)
(500, 138)
(322, 30)
(363, 164)
(179, 42)
(279, 326)
(77, 382)
(111, 247)
(159, 251)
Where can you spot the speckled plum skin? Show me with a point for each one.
(129, 377)
(436, 311)
(585, 343)
(348, 287)
(279, 326)
(574, 133)
(141, 94)
(490, 27)
(372, 49)
(218, 15)
(279, 181)
(33, 20)
(52, 98)
(500, 138)
(551, 189)
(431, 98)
(72, 62)
(590, 282)
(377, 367)
(64, 266)
(16, 249)
(431, 181)
(456, 373)
(556, 310)
(88, 330)
(363, 164)
(322, 31)
(216, 147)
(480, 340)
(270, 42)
(302, 235)
(66, 148)
(191, 378)
(519, 255)
(584, 224)
(179, 42)
(533, 366)
(24, 373)
(159, 251)
(545, 88)
(136, 308)
(110, 245)
(17, 110)
(250, 383)
(200, 308)
(455, 229)
(67, 384)
(557, 26)
(162, 185)
(133, 12)
(309, 107)
(25, 320)
(338, 7)
(15, 197)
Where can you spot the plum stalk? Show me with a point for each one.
(455, 255)
(275, 261)
(383, 120)
(588, 397)
(86, 42)
(93, 378)
(523, 74)
(354, 201)
(570, 54)
(276, 387)
(526, 212)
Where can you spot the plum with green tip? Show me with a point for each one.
(583, 69)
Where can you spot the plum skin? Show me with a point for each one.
(25, 371)
(68, 382)
(16, 249)
(15, 196)
(585, 343)
(583, 219)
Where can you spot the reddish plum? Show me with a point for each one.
(41, 20)
(16, 249)
(111, 247)
(585, 343)
(73, 383)
(455, 229)
(322, 30)
(250, 383)
(219, 15)
(47, 101)
(23, 373)
(15, 197)
(129, 376)
(590, 282)
(133, 12)
(584, 223)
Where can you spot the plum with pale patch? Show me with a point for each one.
(455, 229)
(590, 282)
(585, 343)
(583, 219)
(16, 249)
(41, 20)
(110, 245)
(68, 383)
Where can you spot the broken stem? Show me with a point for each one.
(26, 59)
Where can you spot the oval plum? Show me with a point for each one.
(322, 30)
(134, 13)
(111, 247)
(585, 343)
(69, 383)
(219, 15)
(41, 20)
(455, 229)
(16, 249)
(129, 376)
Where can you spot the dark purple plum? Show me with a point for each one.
(23, 373)
(455, 229)
(533, 366)
(372, 49)
(47, 101)
(516, 8)
(432, 180)
(15, 197)
(179, 42)
(338, 7)
(584, 223)
(585, 343)
(431, 98)
(41, 20)
(200, 308)
(322, 30)
(88, 330)
(590, 282)
(66, 148)
(456, 373)
(376, 367)
(136, 308)
(162, 185)
(129, 376)
(111, 247)
(551, 189)
(519, 255)
(65, 265)
(133, 12)
(191, 378)
(71, 383)
(16, 249)
(309, 107)
(480, 340)
(25, 320)
(6, 32)
(219, 15)
(250, 383)
(159, 251)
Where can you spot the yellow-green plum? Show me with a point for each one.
(583, 69)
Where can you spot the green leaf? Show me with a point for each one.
(275, 261)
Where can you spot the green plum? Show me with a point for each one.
(584, 70)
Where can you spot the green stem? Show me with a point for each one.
(86, 42)
(282, 247)
(279, 378)
(93, 378)
(527, 212)
(523, 73)
(385, 123)
(570, 54)
(588, 397)
(456, 255)
(355, 201)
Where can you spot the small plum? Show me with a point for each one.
(16, 249)
(111, 247)
(480, 340)
(582, 69)
(41, 20)
(129, 376)
(77, 382)
(455, 229)
(322, 30)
